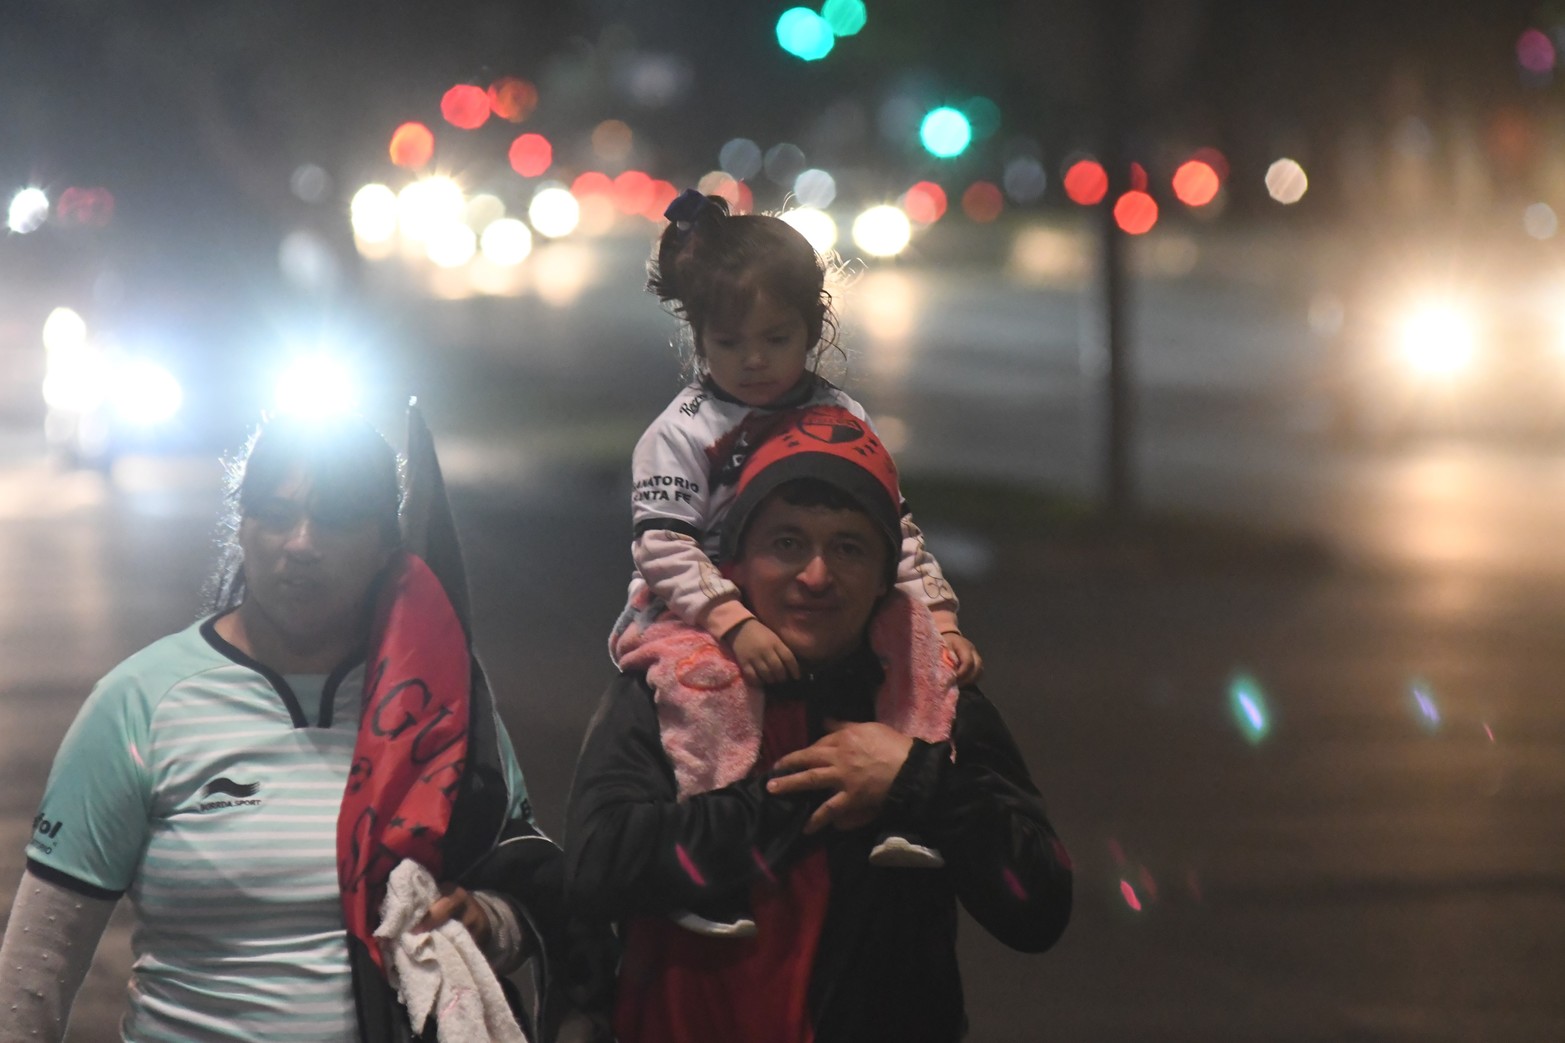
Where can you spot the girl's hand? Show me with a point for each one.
(965, 660)
(761, 654)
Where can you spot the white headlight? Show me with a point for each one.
(145, 393)
(1439, 339)
(316, 385)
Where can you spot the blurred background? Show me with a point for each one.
(1222, 345)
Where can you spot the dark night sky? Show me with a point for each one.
(198, 111)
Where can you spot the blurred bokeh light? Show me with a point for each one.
(924, 203)
(1024, 180)
(740, 158)
(845, 17)
(373, 214)
(512, 98)
(815, 225)
(1286, 181)
(1135, 212)
(412, 145)
(465, 106)
(983, 201)
(28, 211)
(882, 231)
(1196, 183)
(815, 188)
(1535, 52)
(531, 155)
(945, 132)
(1086, 182)
(554, 212)
(804, 34)
(612, 141)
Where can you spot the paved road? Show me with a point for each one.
(1386, 863)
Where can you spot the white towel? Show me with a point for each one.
(440, 972)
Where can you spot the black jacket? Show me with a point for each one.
(886, 966)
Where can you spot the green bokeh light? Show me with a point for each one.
(845, 17)
(804, 34)
(1248, 703)
(945, 132)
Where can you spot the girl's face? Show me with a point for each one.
(759, 358)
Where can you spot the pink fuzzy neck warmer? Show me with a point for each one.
(710, 719)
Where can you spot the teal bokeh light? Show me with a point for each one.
(1248, 703)
(845, 17)
(945, 132)
(804, 34)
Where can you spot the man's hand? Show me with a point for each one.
(965, 660)
(858, 760)
(761, 654)
(456, 903)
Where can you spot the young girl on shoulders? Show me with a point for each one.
(750, 291)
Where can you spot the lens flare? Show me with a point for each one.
(1248, 703)
(315, 385)
(1439, 339)
(29, 210)
(1424, 704)
(145, 393)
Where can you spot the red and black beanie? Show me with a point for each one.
(831, 445)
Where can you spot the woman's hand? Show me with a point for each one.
(457, 903)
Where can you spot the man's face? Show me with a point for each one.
(308, 576)
(813, 575)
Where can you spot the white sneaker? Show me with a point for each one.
(898, 852)
(739, 927)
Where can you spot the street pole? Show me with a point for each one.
(1116, 27)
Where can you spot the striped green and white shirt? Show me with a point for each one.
(205, 788)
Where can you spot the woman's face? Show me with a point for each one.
(309, 576)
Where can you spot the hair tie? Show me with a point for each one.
(686, 207)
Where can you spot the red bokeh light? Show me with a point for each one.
(86, 206)
(1214, 159)
(983, 201)
(412, 145)
(466, 106)
(512, 98)
(1535, 52)
(592, 183)
(531, 155)
(1086, 182)
(1138, 177)
(1135, 212)
(633, 192)
(1195, 183)
(663, 193)
(925, 202)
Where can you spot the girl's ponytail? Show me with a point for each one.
(692, 219)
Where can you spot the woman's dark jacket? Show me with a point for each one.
(485, 850)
